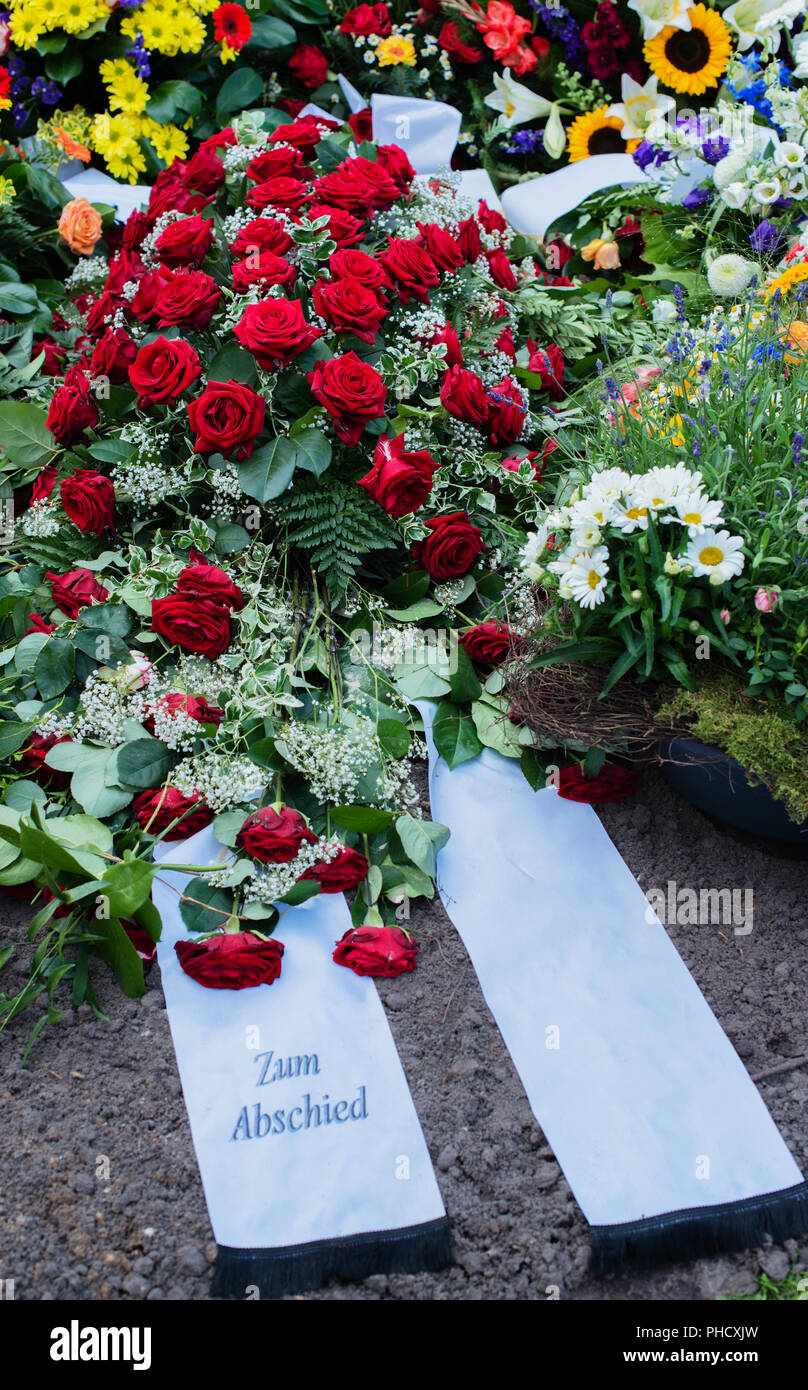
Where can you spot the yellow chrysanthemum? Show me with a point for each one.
(206, 6)
(113, 68)
(48, 13)
(26, 28)
(190, 32)
(395, 51)
(169, 141)
(691, 60)
(126, 167)
(795, 275)
(596, 133)
(128, 93)
(77, 15)
(157, 34)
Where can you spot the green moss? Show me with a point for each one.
(762, 735)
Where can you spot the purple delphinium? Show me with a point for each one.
(679, 297)
(560, 25)
(796, 448)
(140, 53)
(46, 92)
(765, 238)
(20, 114)
(524, 142)
(697, 198)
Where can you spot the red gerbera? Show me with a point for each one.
(232, 25)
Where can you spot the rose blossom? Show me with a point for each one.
(231, 960)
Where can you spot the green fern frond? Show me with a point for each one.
(337, 525)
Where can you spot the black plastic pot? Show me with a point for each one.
(718, 785)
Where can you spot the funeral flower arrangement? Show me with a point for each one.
(278, 488)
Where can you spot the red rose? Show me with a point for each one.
(489, 643)
(339, 875)
(194, 706)
(367, 19)
(75, 590)
(193, 623)
(469, 239)
(447, 335)
(262, 234)
(89, 501)
(55, 356)
(231, 960)
(380, 951)
(173, 297)
(342, 228)
(125, 267)
(451, 42)
(500, 269)
(351, 391)
(263, 269)
(451, 547)
(275, 331)
(490, 220)
(140, 939)
(164, 369)
(137, 226)
(309, 65)
(205, 172)
(357, 265)
(99, 313)
(32, 761)
(303, 134)
(514, 460)
(227, 418)
(506, 413)
(411, 269)
(274, 837)
(113, 355)
(548, 363)
(395, 162)
(269, 164)
(612, 783)
(358, 185)
(399, 481)
(44, 483)
(463, 395)
(361, 123)
(36, 623)
(438, 244)
(186, 242)
(208, 581)
(281, 192)
(155, 811)
(222, 139)
(72, 409)
(291, 105)
(349, 307)
(505, 343)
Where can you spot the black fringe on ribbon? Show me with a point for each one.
(700, 1231)
(295, 1268)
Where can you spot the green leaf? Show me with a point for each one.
(227, 825)
(17, 298)
(366, 819)
(28, 650)
(421, 841)
(196, 915)
(26, 439)
(422, 608)
(146, 762)
(54, 667)
(331, 153)
(496, 731)
(420, 683)
(240, 90)
(533, 769)
(172, 100)
(63, 67)
(302, 11)
(270, 33)
(233, 363)
(455, 735)
(300, 892)
(313, 451)
(13, 735)
(112, 450)
(230, 539)
(594, 761)
(90, 784)
(20, 796)
(270, 470)
(394, 738)
(115, 619)
(129, 885)
(118, 951)
(463, 681)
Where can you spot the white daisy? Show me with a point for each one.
(587, 577)
(716, 554)
(697, 512)
(632, 515)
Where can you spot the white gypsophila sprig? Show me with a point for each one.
(220, 779)
(40, 520)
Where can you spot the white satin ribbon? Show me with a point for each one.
(534, 205)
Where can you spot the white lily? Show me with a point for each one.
(641, 108)
(801, 56)
(516, 102)
(554, 136)
(656, 15)
(755, 20)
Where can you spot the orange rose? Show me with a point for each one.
(80, 226)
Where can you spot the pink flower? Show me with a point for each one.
(766, 600)
(646, 376)
(724, 616)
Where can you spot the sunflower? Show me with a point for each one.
(596, 133)
(691, 60)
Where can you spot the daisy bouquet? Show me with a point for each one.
(277, 488)
(686, 545)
